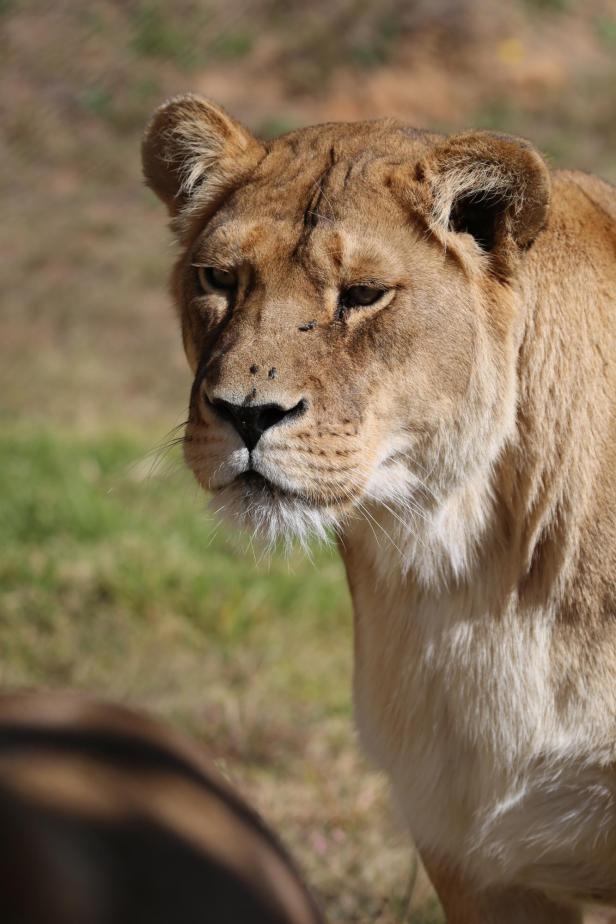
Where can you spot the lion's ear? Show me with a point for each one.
(191, 148)
(494, 187)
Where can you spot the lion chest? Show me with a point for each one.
(450, 702)
(456, 703)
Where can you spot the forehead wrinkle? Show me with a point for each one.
(330, 197)
(330, 187)
(323, 255)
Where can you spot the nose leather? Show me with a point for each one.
(251, 421)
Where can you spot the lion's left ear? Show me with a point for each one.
(494, 187)
(193, 149)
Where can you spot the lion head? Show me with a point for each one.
(349, 304)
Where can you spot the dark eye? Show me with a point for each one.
(213, 279)
(360, 296)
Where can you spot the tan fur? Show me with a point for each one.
(459, 436)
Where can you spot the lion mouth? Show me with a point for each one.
(256, 486)
(272, 513)
(256, 481)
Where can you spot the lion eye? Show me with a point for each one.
(360, 296)
(211, 278)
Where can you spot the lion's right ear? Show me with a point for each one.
(493, 187)
(193, 151)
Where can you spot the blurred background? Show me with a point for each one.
(113, 577)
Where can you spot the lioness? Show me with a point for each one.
(410, 338)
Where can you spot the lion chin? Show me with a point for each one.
(273, 516)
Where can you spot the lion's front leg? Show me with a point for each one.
(463, 903)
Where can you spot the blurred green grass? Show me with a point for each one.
(97, 533)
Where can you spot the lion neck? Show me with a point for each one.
(511, 527)
(430, 550)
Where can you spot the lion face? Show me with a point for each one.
(347, 308)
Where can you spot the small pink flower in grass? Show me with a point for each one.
(319, 843)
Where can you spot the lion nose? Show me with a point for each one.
(251, 421)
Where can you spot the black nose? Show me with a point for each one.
(252, 420)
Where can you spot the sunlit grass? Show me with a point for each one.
(98, 532)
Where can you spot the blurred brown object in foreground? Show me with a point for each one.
(107, 817)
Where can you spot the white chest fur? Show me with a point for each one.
(455, 698)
